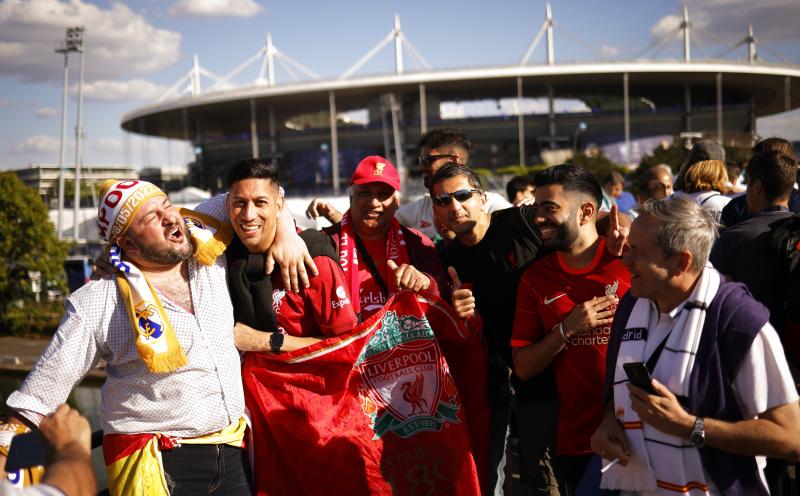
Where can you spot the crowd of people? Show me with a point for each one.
(649, 332)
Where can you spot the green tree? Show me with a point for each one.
(28, 241)
(598, 164)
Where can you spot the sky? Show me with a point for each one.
(136, 50)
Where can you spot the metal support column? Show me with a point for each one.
(787, 94)
(78, 135)
(253, 129)
(334, 142)
(687, 99)
(273, 136)
(719, 108)
(423, 109)
(520, 123)
(626, 104)
(61, 151)
(394, 108)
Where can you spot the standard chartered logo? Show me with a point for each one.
(592, 337)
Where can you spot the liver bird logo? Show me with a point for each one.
(611, 289)
(412, 393)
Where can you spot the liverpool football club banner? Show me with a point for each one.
(395, 406)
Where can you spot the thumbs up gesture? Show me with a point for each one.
(408, 277)
(463, 301)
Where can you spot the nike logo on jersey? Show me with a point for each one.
(548, 301)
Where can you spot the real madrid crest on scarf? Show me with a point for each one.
(407, 386)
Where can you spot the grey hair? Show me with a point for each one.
(685, 225)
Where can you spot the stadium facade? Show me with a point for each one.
(300, 126)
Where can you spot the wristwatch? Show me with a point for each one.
(698, 436)
(276, 341)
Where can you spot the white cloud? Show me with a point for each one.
(41, 143)
(105, 90)
(45, 112)
(772, 20)
(119, 41)
(215, 8)
(609, 51)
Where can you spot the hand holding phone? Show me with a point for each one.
(639, 376)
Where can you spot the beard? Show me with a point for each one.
(167, 254)
(566, 234)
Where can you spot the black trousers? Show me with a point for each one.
(215, 469)
(569, 471)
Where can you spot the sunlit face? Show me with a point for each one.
(525, 194)
(613, 189)
(666, 182)
(557, 216)
(158, 232)
(433, 159)
(253, 206)
(372, 208)
(644, 259)
(459, 216)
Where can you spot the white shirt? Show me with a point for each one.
(203, 396)
(712, 201)
(419, 214)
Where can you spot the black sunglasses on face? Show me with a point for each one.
(461, 196)
(427, 160)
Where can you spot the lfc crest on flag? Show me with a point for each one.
(407, 386)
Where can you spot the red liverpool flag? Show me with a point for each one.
(375, 410)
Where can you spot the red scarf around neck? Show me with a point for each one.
(396, 251)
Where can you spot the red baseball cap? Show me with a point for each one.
(376, 169)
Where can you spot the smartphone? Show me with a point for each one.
(639, 376)
(27, 450)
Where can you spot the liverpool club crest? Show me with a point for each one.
(407, 385)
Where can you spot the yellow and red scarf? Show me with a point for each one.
(134, 464)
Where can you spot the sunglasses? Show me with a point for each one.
(461, 196)
(427, 160)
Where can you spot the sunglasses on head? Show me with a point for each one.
(427, 160)
(461, 196)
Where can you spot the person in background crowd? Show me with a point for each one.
(704, 177)
(564, 308)
(614, 188)
(736, 210)
(736, 183)
(520, 189)
(436, 148)
(721, 393)
(654, 183)
(743, 253)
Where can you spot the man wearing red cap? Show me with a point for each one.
(377, 254)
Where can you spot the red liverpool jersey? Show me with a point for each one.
(548, 291)
(324, 309)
